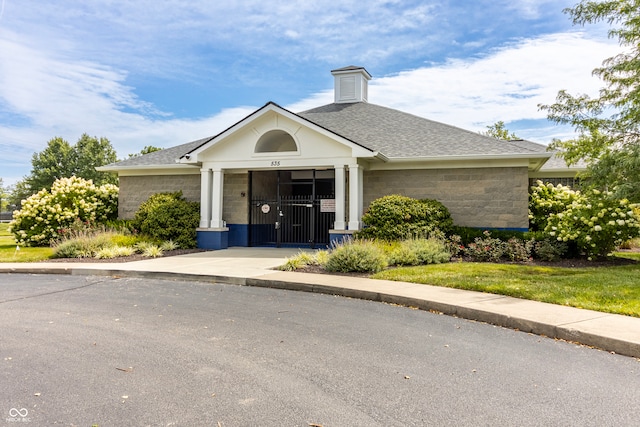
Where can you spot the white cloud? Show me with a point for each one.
(45, 94)
(507, 84)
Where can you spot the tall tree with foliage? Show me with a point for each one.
(91, 152)
(54, 162)
(62, 160)
(499, 131)
(608, 126)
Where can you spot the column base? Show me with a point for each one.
(337, 237)
(212, 238)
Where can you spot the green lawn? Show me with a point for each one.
(8, 252)
(609, 289)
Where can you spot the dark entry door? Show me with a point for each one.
(291, 208)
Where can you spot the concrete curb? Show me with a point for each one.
(570, 324)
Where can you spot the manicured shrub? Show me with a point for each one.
(356, 256)
(46, 215)
(168, 216)
(397, 217)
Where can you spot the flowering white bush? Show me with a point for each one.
(598, 223)
(547, 199)
(46, 214)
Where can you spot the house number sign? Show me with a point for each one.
(265, 208)
(275, 163)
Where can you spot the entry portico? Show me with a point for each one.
(273, 138)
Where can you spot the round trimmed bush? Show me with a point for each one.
(168, 216)
(397, 217)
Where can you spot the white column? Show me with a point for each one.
(355, 197)
(216, 199)
(205, 198)
(340, 224)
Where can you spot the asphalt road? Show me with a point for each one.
(83, 351)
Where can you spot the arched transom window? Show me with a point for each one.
(276, 141)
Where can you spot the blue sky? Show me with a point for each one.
(154, 72)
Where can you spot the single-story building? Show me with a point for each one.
(283, 178)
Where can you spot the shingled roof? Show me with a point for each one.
(393, 133)
(397, 134)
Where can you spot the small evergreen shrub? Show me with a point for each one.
(518, 250)
(356, 256)
(486, 248)
(550, 250)
(469, 234)
(168, 216)
(397, 217)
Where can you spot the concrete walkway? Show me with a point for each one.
(254, 267)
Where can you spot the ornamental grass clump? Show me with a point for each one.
(419, 251)
(46, 215)
(303, 259)
(82, 244)
(358, 256)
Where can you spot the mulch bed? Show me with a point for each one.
(136, 257)
(567, 263)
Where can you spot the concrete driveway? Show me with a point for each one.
(81, 351)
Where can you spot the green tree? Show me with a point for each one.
(54, 162)
(499, 131)
(62, 160)
(19, 192)
(91, 152)
(146, 150)
(607, 126)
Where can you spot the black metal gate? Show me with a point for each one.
(297, 212)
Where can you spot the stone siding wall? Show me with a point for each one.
(135, 190)
(235, 209)
(476, 197)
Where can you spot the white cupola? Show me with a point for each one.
(350, 84)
